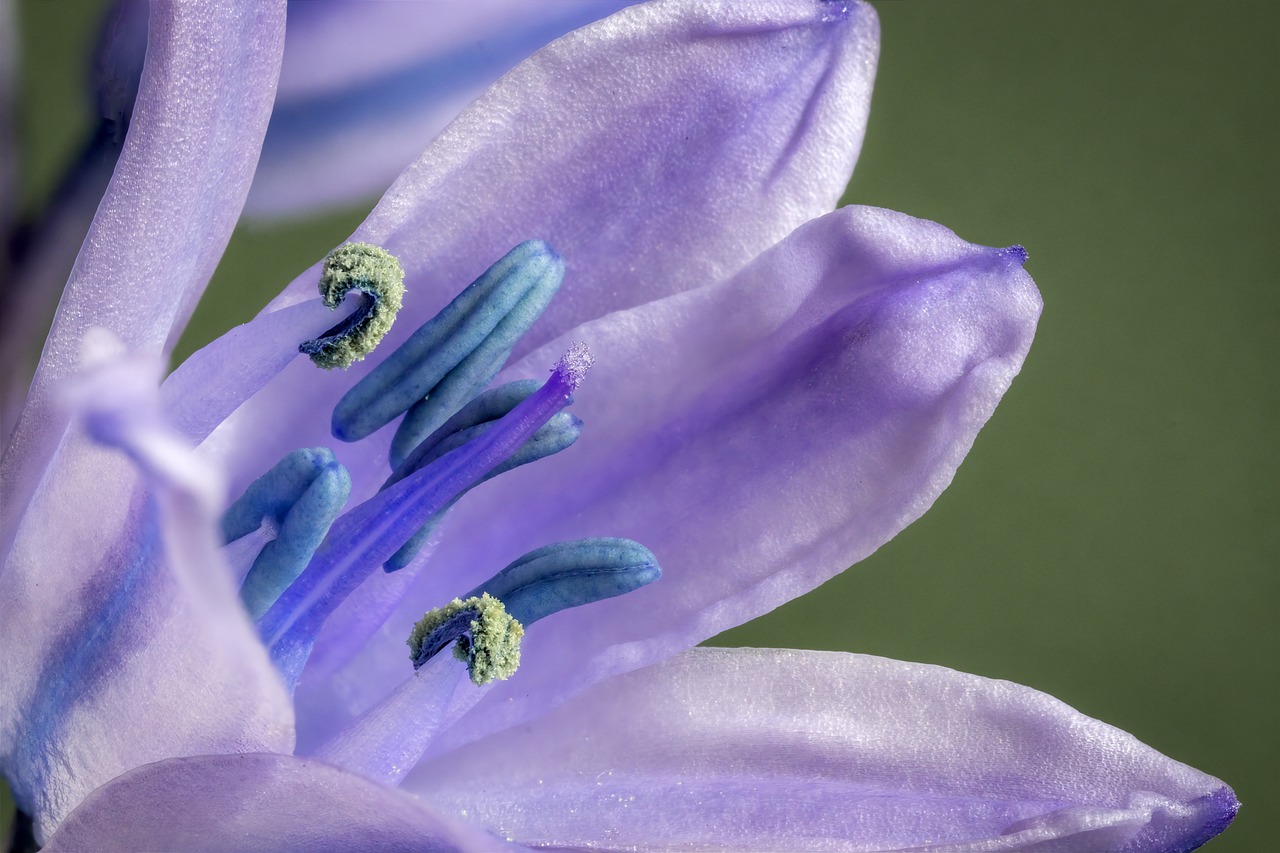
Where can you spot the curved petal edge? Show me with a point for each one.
(760, 749)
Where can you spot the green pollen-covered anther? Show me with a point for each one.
(488, 638)
(379, 278)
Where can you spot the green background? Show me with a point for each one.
(1112, 539)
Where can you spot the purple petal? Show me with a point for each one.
(259, 802)
(173, 201)
(208, 387)
(756, 749)
(658, 150)
(655, 150)
(125, 641)
(44, 249)
(759, 436)
(392, 100)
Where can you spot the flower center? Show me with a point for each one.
(453, 436)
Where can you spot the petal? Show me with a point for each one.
(758, 436)
(259, 802)
(124, 639)
(177, 191)
(429, 63)
(657, 150)
(759, 749)
(43, 250)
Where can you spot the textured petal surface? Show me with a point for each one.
(657, 150)
(177, 191)
(122, 639)
(394, 74)
(259, 803)
(757, 749)
(759, 436)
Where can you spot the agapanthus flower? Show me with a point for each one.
(777, 390)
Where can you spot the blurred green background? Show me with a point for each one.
(1112, 539)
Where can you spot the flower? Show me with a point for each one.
(778, 391)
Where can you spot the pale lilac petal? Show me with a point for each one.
(759, 436)
(758, 749)
(657, 150)
(202, 109)
(260, 803)
(123, 638)
(44, 249)
(366, 85)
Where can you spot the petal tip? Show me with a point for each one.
(1015, 253)
(1220, 810)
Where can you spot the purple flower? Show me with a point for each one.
(778, 390)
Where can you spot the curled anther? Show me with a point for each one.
(377, 275)
(488, 638)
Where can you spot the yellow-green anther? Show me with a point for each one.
(377, 275)
(488, 638)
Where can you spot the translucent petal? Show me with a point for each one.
(756, 749)
(173, 201)
(260, 803)
(124, 639)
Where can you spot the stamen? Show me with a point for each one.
(300, 497)
(367, 536)
(455, 354)
(542, 582)
(488, 638)
(473, 421)
(389, 739)
(377, 275)
(570, 574)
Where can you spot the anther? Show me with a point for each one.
(455, 354)
(299, 497)
(377, 276)
(487, 637)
